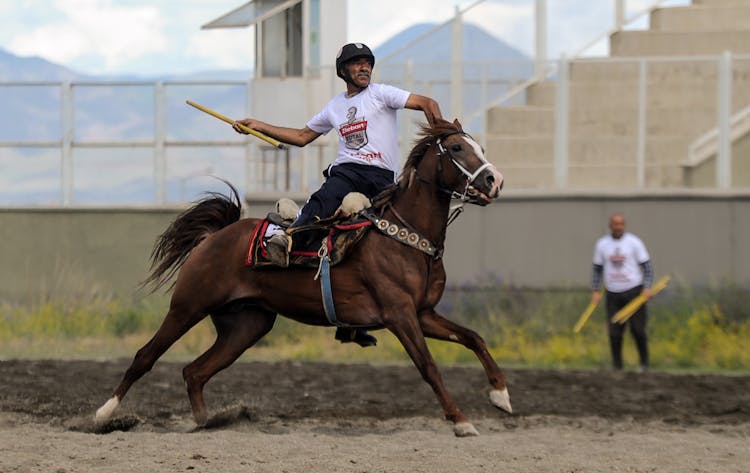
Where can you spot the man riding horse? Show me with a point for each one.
(205, 249)
(367, 161)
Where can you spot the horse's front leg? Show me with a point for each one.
(407, 330)
(436, 326)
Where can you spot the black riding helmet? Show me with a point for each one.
(352, 51)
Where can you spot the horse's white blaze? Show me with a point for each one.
(501, 399)
(105, 412)
(465, 429)
(475, 146)
(495, 173)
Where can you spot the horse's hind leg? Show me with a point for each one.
(438, 327)
(174, 326)
(236, 331)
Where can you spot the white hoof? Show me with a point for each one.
(465, 429)
(501, 399)
(105, 412)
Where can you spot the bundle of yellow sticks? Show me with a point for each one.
(626, 312)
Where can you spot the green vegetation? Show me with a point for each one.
(703, 329)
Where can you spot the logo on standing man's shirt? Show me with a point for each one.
(354, 131)
(617, 259)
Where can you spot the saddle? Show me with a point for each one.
(333, 237)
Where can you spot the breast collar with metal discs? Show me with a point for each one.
(404, 234)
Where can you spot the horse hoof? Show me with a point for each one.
(501, 399)
(201, 419)
(465, 429)
(105, 412)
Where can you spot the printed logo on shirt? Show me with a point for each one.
(354, 131)
(617, 259)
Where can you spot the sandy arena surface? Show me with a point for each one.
(314, 417)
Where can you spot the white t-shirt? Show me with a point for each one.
(366, 125)
(621, 260)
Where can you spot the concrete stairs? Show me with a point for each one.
(681, 103)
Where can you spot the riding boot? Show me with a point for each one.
(278, 247)
(356, 335)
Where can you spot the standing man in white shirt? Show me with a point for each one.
(622, 261)
(364, 117)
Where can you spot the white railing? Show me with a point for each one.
(68, 141)
(151, 127)
(708, 145)
(165, 138)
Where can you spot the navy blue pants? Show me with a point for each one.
(340, 180)
(615, 302)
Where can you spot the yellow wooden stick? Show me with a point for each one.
(273, 142)
(586, 314)
(626, 312)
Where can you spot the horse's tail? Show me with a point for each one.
(208, 215)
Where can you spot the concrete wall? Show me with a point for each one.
(56, 252)
(538, 240)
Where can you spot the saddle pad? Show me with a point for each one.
(339, 238)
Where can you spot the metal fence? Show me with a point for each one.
(137, 142)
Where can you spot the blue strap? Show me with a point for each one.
(325, 289)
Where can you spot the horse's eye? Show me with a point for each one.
(456, 148)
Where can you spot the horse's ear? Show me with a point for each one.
(458, 125)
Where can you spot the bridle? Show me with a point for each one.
(404, 232)
(470, 176)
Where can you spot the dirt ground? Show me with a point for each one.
(314, 417)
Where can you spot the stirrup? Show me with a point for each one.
(356, 335)
(278, 249)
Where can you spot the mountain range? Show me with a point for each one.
(35, 69)
(432, 45)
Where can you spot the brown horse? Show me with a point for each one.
(383, 283)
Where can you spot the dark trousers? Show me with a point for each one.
(340, 180)
(637, 323)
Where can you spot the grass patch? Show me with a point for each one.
(689, 328)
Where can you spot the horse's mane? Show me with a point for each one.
(426, 136)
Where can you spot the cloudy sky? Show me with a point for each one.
(152, 37)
